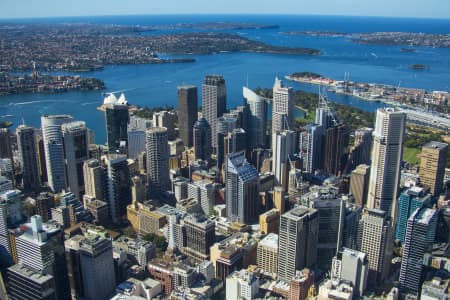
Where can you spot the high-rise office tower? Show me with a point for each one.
(241, 191)
(117, 119)
(257, 118)
(285, 144)
(311, 144)
(200, 236)
(97, 268)
(94, 179)
(411, 199)
(331, 210)
(24, 283)
(202, 139)
(359, 184)
(136, 143)
(41, 155)
(5, 143)
(41, 248)
(44, 203)
(157, 148)
(386, 158)
(76, 143)
(297, 241)
(138, 189)
(26, 142)
(235, 141)
(225, 125)
(361, 150)
(72, 248)
(419, 239)
(10, 217)
(283, 107)
(375, 240)
(187, 112)
(118, 186)
(267, 253)
(214, 102)
(351, 265)
(204, 192)
(165, 119)
(54, 150)
(432, 166)
(336, 142)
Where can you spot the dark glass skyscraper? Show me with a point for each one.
(26, 142)
(187, 112)
(117, 119)
(202, 140)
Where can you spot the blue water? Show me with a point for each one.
(156, 84)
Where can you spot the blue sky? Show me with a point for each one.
(51, 8)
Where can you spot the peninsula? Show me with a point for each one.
(67, 47)
(386, 38)
(37, 83)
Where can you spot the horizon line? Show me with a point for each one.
(222, 14)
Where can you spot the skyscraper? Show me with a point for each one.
(375, 240)
(285, 144)
(157, 148)
(10, 217)
(187, 112)
(297, 241)
(267, 253)
(432, 166)
(419, 238)
(76, 143)
(213, 102)
(361, 150)
(351, 265)
(5, 143)
(200, 236)
(202, 139)
(410, 200)
(283, 107)
(359, 184)
(165, 119)
(257, 118)
(136, 143)
(386, 158)
(94, 179)
(26, 142)
(235, 141)
(118, 186)
(117, 120)
(41, 248)
(311, 144)
(336, 142)
(241, 191)
(54, 150)
(97, 267)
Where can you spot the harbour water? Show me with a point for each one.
(155, 85)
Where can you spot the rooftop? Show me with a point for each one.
(436, 145)
(270, 241)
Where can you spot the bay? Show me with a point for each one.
(155, 85)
